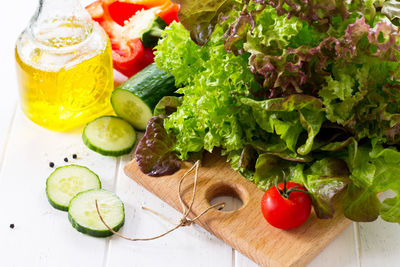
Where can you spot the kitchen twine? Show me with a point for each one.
(184, 221)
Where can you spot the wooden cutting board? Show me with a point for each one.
(244, 229)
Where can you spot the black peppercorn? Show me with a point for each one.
(66, 159)
(51, 164)
(74, 156)
(12, 226)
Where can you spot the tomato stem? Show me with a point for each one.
(286, 192)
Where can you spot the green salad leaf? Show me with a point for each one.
(269, 169)
(209, 115)
(324, 179)
(373, 170)
(167, 105)
(288, 118)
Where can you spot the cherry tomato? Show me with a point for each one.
(286, 209)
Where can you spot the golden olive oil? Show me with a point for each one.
(64, 74)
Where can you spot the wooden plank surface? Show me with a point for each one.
(245, 229)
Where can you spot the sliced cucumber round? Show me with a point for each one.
(109, 136)
(65, 182)
(83, 215)
(131, 108)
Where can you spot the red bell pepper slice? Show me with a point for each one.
(168, 12)
(129, 55)
(129, 62)
(122, 11)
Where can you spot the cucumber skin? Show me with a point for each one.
(94, 233)
(52, 203)
(106, 152)
(91, 232)
(151, 36)
(55, 205)
(150, 85)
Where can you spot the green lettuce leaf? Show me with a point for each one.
(210, 115)
(360, 204)
(390, 209)
(324, 180)
(177, 54)
(235, 158)
(248, 158)
(288, 118)
(167, 105)
(271, 169)
(373, 170)
(336, 146)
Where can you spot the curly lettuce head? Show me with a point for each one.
(210, 115)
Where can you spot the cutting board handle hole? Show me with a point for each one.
(234, 196)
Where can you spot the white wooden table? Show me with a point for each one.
(43, 236)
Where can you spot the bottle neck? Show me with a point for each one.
(49, 9)
(60, 23)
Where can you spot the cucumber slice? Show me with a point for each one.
(83, 215)
(136, 98)
(65, 182)
(109, 136)
(131, 108)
